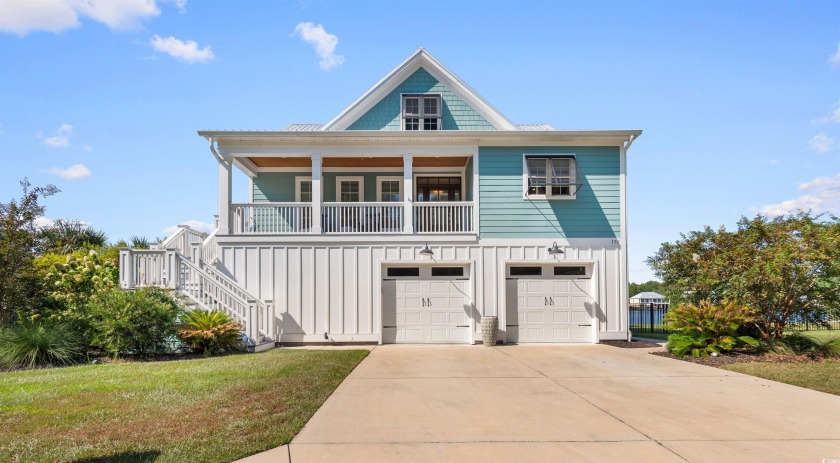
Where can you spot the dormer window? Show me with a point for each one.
(421, 112)
(551, 176)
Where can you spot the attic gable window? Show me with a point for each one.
(551, 176)
(421, 112)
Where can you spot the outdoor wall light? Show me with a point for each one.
(426, 251)
(554, 249)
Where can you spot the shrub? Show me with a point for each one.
(708, 328)
(36, 343)
(210, 331)
(80, 276)
(139, 322)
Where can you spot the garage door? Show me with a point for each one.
(425, 305)
(548, 304)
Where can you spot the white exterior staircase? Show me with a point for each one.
(185, 262)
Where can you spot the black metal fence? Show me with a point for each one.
(810, 325)
(649, 318)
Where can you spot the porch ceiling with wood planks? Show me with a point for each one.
(444, 161)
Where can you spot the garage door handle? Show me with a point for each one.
(388, 326)
(511, 325)
(462, 326)
(586, 325)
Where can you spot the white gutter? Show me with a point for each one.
(216, 153)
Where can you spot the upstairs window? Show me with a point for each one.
(421, 112)
(551, 176)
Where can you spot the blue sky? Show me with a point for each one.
(739, 101)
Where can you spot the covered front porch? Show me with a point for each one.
(351, 193)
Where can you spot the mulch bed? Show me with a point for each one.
(741, 357)
(631, 344)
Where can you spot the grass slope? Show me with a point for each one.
(821, 376)
(208, 410)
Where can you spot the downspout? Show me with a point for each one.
(629, 142)
(216, 153)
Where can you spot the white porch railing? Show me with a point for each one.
(363, 217)
(182, 239)
(444, 217)
(142, 267)
(271, 218)
(352, 218)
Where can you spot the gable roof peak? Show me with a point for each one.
(421, 58)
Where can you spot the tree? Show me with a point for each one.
(785, 268)
(649, 286)
(19, 244)
(67, 236)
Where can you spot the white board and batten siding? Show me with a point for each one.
(337, 290)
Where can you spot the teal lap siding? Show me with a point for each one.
(594, 213)
(386, 114)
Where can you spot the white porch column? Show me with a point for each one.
(317, 199)
(475, 188)
(408, 193)
(225, 194)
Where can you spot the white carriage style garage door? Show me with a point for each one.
(425, 305)
(548, 304)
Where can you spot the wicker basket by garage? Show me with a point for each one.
(489, 330)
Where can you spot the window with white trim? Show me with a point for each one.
(550, 176)
(389, 189)
(303, 189)
(349, 189)
(421, 112)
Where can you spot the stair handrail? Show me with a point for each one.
(208, 248)
(205, 289)
(267, 324)
(182, 238)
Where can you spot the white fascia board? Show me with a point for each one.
(418, 59)
(230, 139)
(245, 165)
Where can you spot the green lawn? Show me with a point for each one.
(820, 335)
(823, 376)
(207, 410)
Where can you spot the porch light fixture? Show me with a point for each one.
(426, 251)
(554, 249)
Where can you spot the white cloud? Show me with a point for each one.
(323, 42)
(824, 196)
(24, 16)
(194, 224)
(180, 4)
(118, 15)
(42, 222)
(821, 143)
(61, 139)
(772, 162)
(185, 51)
(835, 115)
(835, 58)
(74, 172)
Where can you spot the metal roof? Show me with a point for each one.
(302, 128)
(648, 295)
(534, 127)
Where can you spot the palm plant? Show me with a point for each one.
(67, 236)
(210, 331)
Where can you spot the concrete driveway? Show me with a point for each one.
(562, 403)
